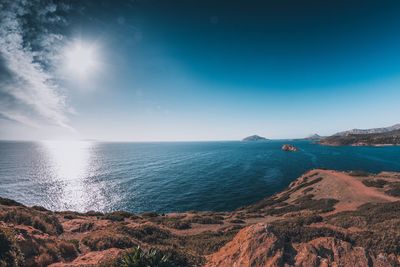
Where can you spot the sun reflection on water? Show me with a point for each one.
(71, 164)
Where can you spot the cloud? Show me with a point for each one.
(29, 93)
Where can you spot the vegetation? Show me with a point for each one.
(207, 219)
(394, 189)
(379, 183)
(10, 255)
(380, 223)
(359, 173)
(392, 137)
(47, 223)
(137, 257)
(105, 240)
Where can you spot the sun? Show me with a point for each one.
(81, 59)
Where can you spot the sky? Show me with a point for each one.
(155, 70)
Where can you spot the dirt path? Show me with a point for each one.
(349, 190)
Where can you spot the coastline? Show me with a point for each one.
(321, 197)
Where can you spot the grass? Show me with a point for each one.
(207, 242)
(380, 224)
(305, 203)
(47, 223)
(104, 240)
(146, 233)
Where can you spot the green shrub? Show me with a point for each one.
(141, 258)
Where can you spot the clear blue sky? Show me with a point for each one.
(198, 70)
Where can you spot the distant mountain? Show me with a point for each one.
(364, 139)
(313, 137)
(369, 131)
(255, 138)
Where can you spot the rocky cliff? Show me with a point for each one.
(370, 139)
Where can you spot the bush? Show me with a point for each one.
(375, 183)
(117, 216)
(67, 250)
(44, 259)
(394, 189)
(152, 257)
(10, 255)
(177, 224)
(107, 240)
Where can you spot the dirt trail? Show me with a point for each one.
(349, 190)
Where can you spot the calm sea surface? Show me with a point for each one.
(167, 177)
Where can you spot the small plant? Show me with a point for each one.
(145, 258)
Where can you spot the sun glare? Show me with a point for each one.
(81, 59)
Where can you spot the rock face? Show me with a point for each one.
(259, 246)
(255, 138)
(252, 246)
(291, 148)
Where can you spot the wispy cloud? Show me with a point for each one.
(29, 93)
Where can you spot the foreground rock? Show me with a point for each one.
(257, 245)
(324, 218)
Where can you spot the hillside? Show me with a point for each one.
(254, 138)
(370, 139)
(370, 131)
(322, 217)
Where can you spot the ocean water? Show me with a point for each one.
(166, 177)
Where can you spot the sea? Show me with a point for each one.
(168, 176)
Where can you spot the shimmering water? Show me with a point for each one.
(167, 177)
